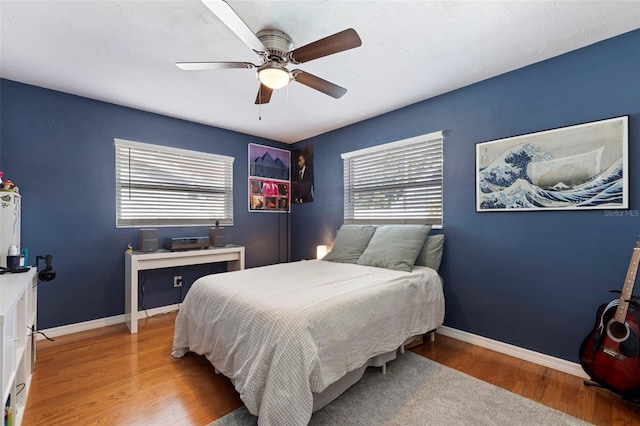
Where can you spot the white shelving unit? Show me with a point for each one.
(18, 307)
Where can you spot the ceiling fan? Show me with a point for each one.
(273, 48)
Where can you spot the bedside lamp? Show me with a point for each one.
(321, 251)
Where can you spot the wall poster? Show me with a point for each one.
(578, 167)
(269, 179)
(302, 176)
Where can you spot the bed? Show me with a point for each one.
(293, 336)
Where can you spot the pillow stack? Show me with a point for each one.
(397, 247)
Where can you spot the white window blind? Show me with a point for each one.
(162, 186)
(397, 182)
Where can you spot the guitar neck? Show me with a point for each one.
(627, 289)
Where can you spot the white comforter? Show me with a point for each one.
(284, 331)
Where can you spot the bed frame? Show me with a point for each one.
(337, 388)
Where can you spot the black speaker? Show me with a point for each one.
(217, 237)
(148, 240)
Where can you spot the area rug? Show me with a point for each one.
(418, 391)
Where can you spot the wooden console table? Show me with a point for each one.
(139, 261)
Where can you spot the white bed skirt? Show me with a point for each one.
(337, 388)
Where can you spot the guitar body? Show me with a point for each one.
(610, 354)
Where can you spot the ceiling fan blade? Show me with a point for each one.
(231, 19)
(264, 94)
(318, 83)
(338, 42)
(195, 66)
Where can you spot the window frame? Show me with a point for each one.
(428, 147)
(178, 177)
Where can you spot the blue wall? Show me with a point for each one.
(531, 279)
(59, 150)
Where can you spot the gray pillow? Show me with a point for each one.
(395, 246)
(431, 253)
(350, 243)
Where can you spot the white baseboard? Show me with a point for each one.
(559, 364)
(505, 348)
(102, 322)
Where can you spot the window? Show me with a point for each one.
(162, 186)
(397, 182)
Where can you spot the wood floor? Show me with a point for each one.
(110, 377)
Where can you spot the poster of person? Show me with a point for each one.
(269, 178)
(302, 176)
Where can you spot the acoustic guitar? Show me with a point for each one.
(610, 354)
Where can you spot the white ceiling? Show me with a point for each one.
(124, 52)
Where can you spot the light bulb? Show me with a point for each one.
(274, 77)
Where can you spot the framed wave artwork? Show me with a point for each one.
(571, 168)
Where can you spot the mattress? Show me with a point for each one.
(286, 331)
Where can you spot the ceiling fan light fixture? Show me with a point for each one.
(274, 76)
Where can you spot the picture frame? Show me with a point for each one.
(268, 195)
(269, 179)
(578, 167)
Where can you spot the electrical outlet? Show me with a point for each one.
(177, 281)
